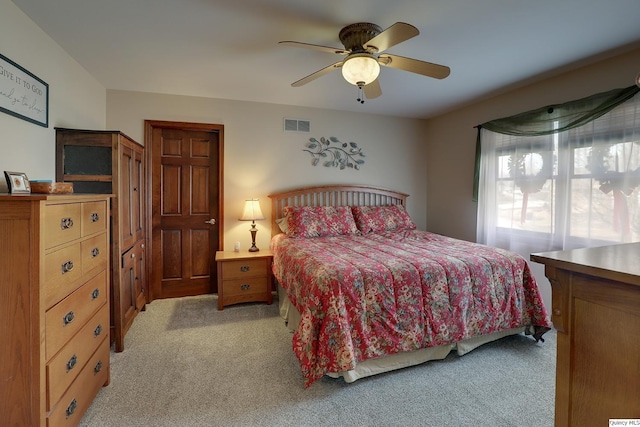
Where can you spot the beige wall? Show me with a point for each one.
(76, 99)
(260, 158)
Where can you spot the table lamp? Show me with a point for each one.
(252, 212)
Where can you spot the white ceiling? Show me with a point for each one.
(229, 48)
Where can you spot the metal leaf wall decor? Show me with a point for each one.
(334, 153)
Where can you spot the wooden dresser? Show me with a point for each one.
(54, 276)
(596, 310)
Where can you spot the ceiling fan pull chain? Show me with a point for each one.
(360, 98)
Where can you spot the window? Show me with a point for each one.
(563, 190)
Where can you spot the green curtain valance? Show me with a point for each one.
(561, 117)
(552, 119)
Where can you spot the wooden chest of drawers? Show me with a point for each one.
(596, 310)
(244, 277)
(54, 299)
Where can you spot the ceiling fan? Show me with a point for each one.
(364, 44)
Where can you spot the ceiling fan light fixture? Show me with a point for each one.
(360, 69)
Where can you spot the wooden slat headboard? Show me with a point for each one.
(332, 195)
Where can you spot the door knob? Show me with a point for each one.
(211, 221)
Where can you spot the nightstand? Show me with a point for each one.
(244, 277)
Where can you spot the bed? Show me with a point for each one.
(366, 292)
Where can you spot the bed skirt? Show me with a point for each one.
(395, 361)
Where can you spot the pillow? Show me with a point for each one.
(372, 219)
(319, 221)
(282, 224)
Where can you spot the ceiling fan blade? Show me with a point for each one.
(397, 33)
(317, 74)
(315, 47)
(415, 66)
(373, 90)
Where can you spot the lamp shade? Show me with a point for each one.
(251, 210)
(360, 69)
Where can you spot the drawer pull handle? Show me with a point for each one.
(66, 223)
(245, 287)
(95, 294)
(72, 407)
(72, 362)
(95, 252)
(95, 217)
(67, 267)
(133, 255)
(97, 331)
(245, 268)
(68, 318)
(98, 367)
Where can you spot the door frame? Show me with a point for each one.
(149, 127)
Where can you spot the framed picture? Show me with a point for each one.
(17, 182)
(24, 95)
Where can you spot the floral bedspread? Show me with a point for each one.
(363, 297)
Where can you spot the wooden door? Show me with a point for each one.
(131, 296)
(126, 294)
(140, 276)
(185, 183)
(131, 193)
(137, 212)
(126, 177)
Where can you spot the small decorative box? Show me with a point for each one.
(51, 187)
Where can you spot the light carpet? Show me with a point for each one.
(187, 364)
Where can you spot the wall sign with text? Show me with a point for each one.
(22, 94)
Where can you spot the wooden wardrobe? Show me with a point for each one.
(111, 162)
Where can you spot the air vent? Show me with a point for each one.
(293, 125)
